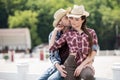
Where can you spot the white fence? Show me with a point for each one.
(22, 72)
(15, 76)
(108, 53)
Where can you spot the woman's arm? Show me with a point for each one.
(59, 43)
(53, 37)
(88, 60)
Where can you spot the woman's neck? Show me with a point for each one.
(79, 29)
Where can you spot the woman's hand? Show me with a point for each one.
(59, 28)
(78, 70)
(89, 64)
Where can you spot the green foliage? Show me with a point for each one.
(26, 18)
(37, 15)
(104, 16)
(45, 17)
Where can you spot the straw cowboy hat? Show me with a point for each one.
(59, 14)
(78, 11)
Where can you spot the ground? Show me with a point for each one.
(103, 65)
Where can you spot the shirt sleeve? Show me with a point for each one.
(50, 35)
(95, 46)
(58, 43)
(54, 56)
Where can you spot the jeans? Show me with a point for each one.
(70, 65)
(51, 74)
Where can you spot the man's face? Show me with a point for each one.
(65, 21)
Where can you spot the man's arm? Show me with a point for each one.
(54, 56)
(52, 37)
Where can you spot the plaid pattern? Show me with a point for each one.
(61, 54)
(77, 43)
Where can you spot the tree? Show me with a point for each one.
(7, 8)
(27, 19)
(104, 15)
(45, 15)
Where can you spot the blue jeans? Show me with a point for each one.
(51, 74)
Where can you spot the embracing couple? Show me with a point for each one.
(72, 46)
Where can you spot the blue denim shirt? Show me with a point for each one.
(54, 56)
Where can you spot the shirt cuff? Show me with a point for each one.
(56, 62)
(95, 47)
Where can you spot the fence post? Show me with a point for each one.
(41, 55)
(116, 71)
(22, 69)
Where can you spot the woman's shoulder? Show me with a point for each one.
(90, 30)
(68, 33)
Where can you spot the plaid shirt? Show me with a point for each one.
(61, 54)
(77, 43)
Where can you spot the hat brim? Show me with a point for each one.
(56, 21)
(78, 15)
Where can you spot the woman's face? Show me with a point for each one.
(76, 22)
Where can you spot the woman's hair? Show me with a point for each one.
(84, 28)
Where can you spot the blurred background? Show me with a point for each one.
(37, 17)
(26, 24)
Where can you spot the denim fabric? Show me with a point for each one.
(51, 74)
(55, 76)
(54, 56)
(47, 73)
(95, 48)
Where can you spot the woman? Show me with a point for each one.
(82, 43)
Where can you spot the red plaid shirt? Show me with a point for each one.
(77, 43)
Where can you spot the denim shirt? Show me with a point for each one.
(54, 56)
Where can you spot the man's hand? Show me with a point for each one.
(61, 69)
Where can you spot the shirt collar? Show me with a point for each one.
(72, 29)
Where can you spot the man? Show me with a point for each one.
(61, 24)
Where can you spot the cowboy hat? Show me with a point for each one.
(59, 14)
(78, 11)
